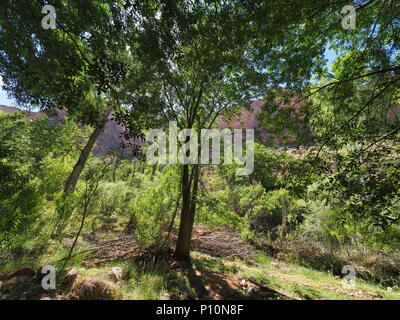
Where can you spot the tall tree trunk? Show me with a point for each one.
(193, 199)
(80, 164)
(133, 170)
(116, 165)
(154, 169)
(182, 250)
(189, 188)
(142, 168)
(184, 236)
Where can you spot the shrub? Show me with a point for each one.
(152, 207)
(54, 173)
(114, 197)
(18, 216)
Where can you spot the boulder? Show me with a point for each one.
(23, 278)
(24, 272)
(8, 284)
(92, 289)
(39, 275)
(71, 276)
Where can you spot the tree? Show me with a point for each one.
(205, 65)
(92, 179)
(356, 110)
(197, 76)
(14, 154)
(26, 147)
(353, 104)
(78, 66)
(217, 55)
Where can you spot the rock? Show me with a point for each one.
(115, 273)
(7, 285)
(243, 282)
(46, 298)
(389, 289)
(23, 278)
(71, 276)
(24, 272)
(39, 274)
(93, 289)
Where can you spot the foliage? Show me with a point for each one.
(325, 186)
(14, 158)
(18, 214)
(152, 207)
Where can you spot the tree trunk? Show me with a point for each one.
(142, 168)
(193, 199)
(154, 169)
(184, 236)
(182, 250)
(133, 170)
(80, 164)
(116, 165)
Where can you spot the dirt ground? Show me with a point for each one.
(106, 247)
(207, 283)
(216, 243)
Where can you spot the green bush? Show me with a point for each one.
(222, 205)
(53, 174)
(18, 215)
(153, 205)
(113, 198)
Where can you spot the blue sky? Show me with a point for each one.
(3, 97)
(4, 100)
(330, 55)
